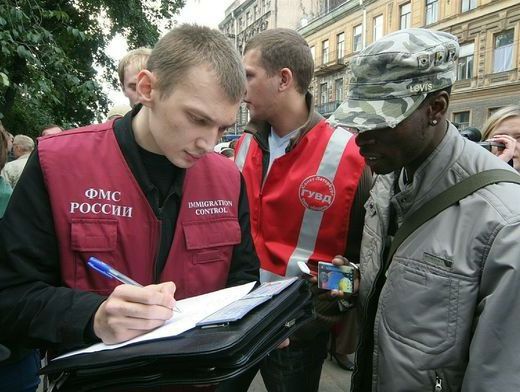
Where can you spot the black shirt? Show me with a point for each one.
(35, 309)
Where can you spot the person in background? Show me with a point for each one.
(117, 111)
(10, 139)
(442, 313)
(18, 367)
(504, 126)
(51, 129)
(22, 147)
(128, 69)
(306, 184)
(5, 187)
(132, 199)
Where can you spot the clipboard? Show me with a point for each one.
(197, 357)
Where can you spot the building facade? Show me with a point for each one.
(488, 73)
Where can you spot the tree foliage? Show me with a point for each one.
(48, 50)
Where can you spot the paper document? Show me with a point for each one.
(192, 310)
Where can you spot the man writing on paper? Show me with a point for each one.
(142, 193)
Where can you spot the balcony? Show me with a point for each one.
(327, 108)
(329, 67)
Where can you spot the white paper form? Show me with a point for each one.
(192, 310)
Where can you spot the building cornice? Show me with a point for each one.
(329, 18)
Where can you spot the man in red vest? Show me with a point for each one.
(306, 185)
(144, 193)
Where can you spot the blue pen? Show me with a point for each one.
(109, 272)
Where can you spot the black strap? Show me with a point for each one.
(445, 199)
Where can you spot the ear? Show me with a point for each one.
(286, 79)
(146, 82)
(438, 107)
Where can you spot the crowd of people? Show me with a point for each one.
(387, 184)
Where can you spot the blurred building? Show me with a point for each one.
(488, 31)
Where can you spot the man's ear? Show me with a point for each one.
(439, 106)
(286, 79)
(146, 84)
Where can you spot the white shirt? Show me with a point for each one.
(277, 145)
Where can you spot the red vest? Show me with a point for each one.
(100, 210)
(302, 211)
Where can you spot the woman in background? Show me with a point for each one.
(5, 188)
(504, 126)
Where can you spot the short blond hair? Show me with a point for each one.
(496, 118)
(188, 46)
(24, 142)
(138, 57)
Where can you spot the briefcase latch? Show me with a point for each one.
(290, 323)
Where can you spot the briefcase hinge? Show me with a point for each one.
(290, 323)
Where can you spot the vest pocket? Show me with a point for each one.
(207, 240)
(89, 235)
(93, 237)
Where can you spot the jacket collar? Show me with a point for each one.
(262, 129)
(430, 179)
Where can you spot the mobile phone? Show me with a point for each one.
(488, 144)
(333, 277)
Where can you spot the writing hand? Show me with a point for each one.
(131, 311)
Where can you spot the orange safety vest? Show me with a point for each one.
(301, 211)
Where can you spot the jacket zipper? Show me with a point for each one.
(438, 383)
(371, 295)
(156, 272)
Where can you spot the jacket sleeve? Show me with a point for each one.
(495, 346)
(244, 263)
(35, 310)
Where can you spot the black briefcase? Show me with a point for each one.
(196, 357)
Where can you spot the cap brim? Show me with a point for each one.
(366, 115)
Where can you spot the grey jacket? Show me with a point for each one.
(448, 314)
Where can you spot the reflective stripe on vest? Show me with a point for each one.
(312, 219)
(240, 159)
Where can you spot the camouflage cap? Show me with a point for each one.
(392, 77)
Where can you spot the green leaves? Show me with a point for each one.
(4, 80)
(49, 51)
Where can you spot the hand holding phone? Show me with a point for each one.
(333, 277)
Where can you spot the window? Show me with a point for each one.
(378, 27)
(255, 12)
(323, 93)
(492, 111)
(465, 63)
(248, 18)
(340, 45)
(503, 55)
(357, 38)
(468, 5)
(462, 119)
(432, 11)
(313, 53)
(406, 16)
(338, 88)
(325, 51)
